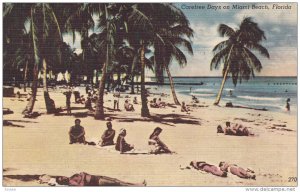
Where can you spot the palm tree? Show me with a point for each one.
(45, 36)
(168, 40)
(236, 53)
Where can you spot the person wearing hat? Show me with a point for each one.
(108, 135)
(121, 144)
(156, 145)
(77, 133)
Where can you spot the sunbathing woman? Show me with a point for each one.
(156, 145)
(236, 170)
(203, 166)
(85, 179)
(121, 144)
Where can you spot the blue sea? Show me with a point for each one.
(270, 93)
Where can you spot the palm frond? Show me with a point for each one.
(225, 30)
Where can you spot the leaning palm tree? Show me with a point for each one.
(168, 41)
(236, 53)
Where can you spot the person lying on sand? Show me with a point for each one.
(108, 135)
(184, 108)
(236, 170)
(128, 106)
(155, 144)
(203, 166)
(237, 129)
(121, 144)
(85, 179)
(77, 133)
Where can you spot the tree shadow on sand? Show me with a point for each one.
(166, 119)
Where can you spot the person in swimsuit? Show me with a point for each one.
(108, 135)
(121, 144)
(156, 145)
(85, 179)
(203, 166)
(236, 170)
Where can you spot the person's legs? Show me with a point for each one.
(72, 139)
(107, 181)
(81, 139)
(214, 170)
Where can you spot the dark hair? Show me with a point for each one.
(221, 163)
(108, 123)
(155, 130)
(227, 123)
(77, 120)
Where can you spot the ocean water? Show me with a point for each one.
(270, 93)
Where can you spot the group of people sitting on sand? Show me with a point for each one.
(77, 135)
(223, 169)
(157, 103)
(236, 129)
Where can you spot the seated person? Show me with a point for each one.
(156, 145)
(195, 99)
(88, 104)
(85, 179)
(203, 166)
(121, 144)
(153, 103)
(82, 99)
(77, 133)
(108, 135)
(184, 108)
(135, 100)
(161, 103)
(236, 170)
(128, 106)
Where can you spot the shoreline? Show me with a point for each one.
(40, 146)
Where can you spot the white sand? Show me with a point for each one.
(42, 145)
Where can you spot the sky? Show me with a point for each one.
(279, 25)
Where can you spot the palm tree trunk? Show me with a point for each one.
(132, 84)
(25, 75)
(50, 105)
(172, 86)
(30, 104)
(99, 113)
(145, 111)
(224, 79)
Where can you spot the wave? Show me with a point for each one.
(260, 98)
(203, 94)
(203, 90)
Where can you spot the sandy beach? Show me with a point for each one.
(41, 146)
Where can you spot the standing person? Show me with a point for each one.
(288, 107)
(87, 88)
(108, 135)
(77, 133)
(156, 145)
(77, 95)
(68, 94)
(121, 144)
